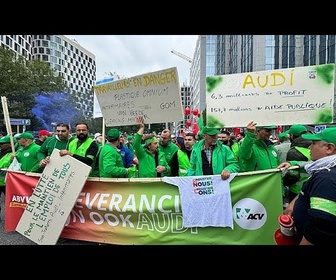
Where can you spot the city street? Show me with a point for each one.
(15, 238)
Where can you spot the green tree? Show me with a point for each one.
(21, 80)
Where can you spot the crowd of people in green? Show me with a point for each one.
(210, 152)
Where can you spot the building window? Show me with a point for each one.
(312, 50)
(323, 49)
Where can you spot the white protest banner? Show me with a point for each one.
(155, 95)
(303, 95)
(53, 199)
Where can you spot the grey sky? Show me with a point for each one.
(132, 55)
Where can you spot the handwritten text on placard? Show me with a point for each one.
(277, 97)
(156, 96)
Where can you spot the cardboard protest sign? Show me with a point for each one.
(155, 95)
(302, 95)
(53, 199)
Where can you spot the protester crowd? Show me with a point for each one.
(309, 191)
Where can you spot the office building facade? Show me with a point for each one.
(76, 65)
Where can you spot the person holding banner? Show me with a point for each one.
(83, 147)
(210, 156)
(181, 159)
(257, 152)
(110, 160)
(60, 141)
(152, 161)
(314, 208)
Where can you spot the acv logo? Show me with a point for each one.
(249, 214)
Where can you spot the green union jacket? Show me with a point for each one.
(222, 159)
(257, 154)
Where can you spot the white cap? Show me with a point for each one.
(97, 135)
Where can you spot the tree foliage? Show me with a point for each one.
(21, 80)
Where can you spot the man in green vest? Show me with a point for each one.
(181, 159)
(298, 151)
(83, 147)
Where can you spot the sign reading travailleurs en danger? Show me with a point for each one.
(302, 95)
(155, 95)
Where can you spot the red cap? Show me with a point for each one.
(44, 132)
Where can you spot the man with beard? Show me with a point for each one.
(83, 147)
(59, 141)
(225, 137)
(181, 159)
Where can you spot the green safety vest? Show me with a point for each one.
(81, 150)
(183, 162)
(235, 146)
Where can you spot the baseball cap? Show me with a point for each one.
(25, 135)
(296, 129)
(5, 139)
(283, 136)
(150, 141)
(97, 135)
(114, 134)
(210, 131)
(328, 135)
(44, 132)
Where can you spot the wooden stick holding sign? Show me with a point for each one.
(7, 122)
